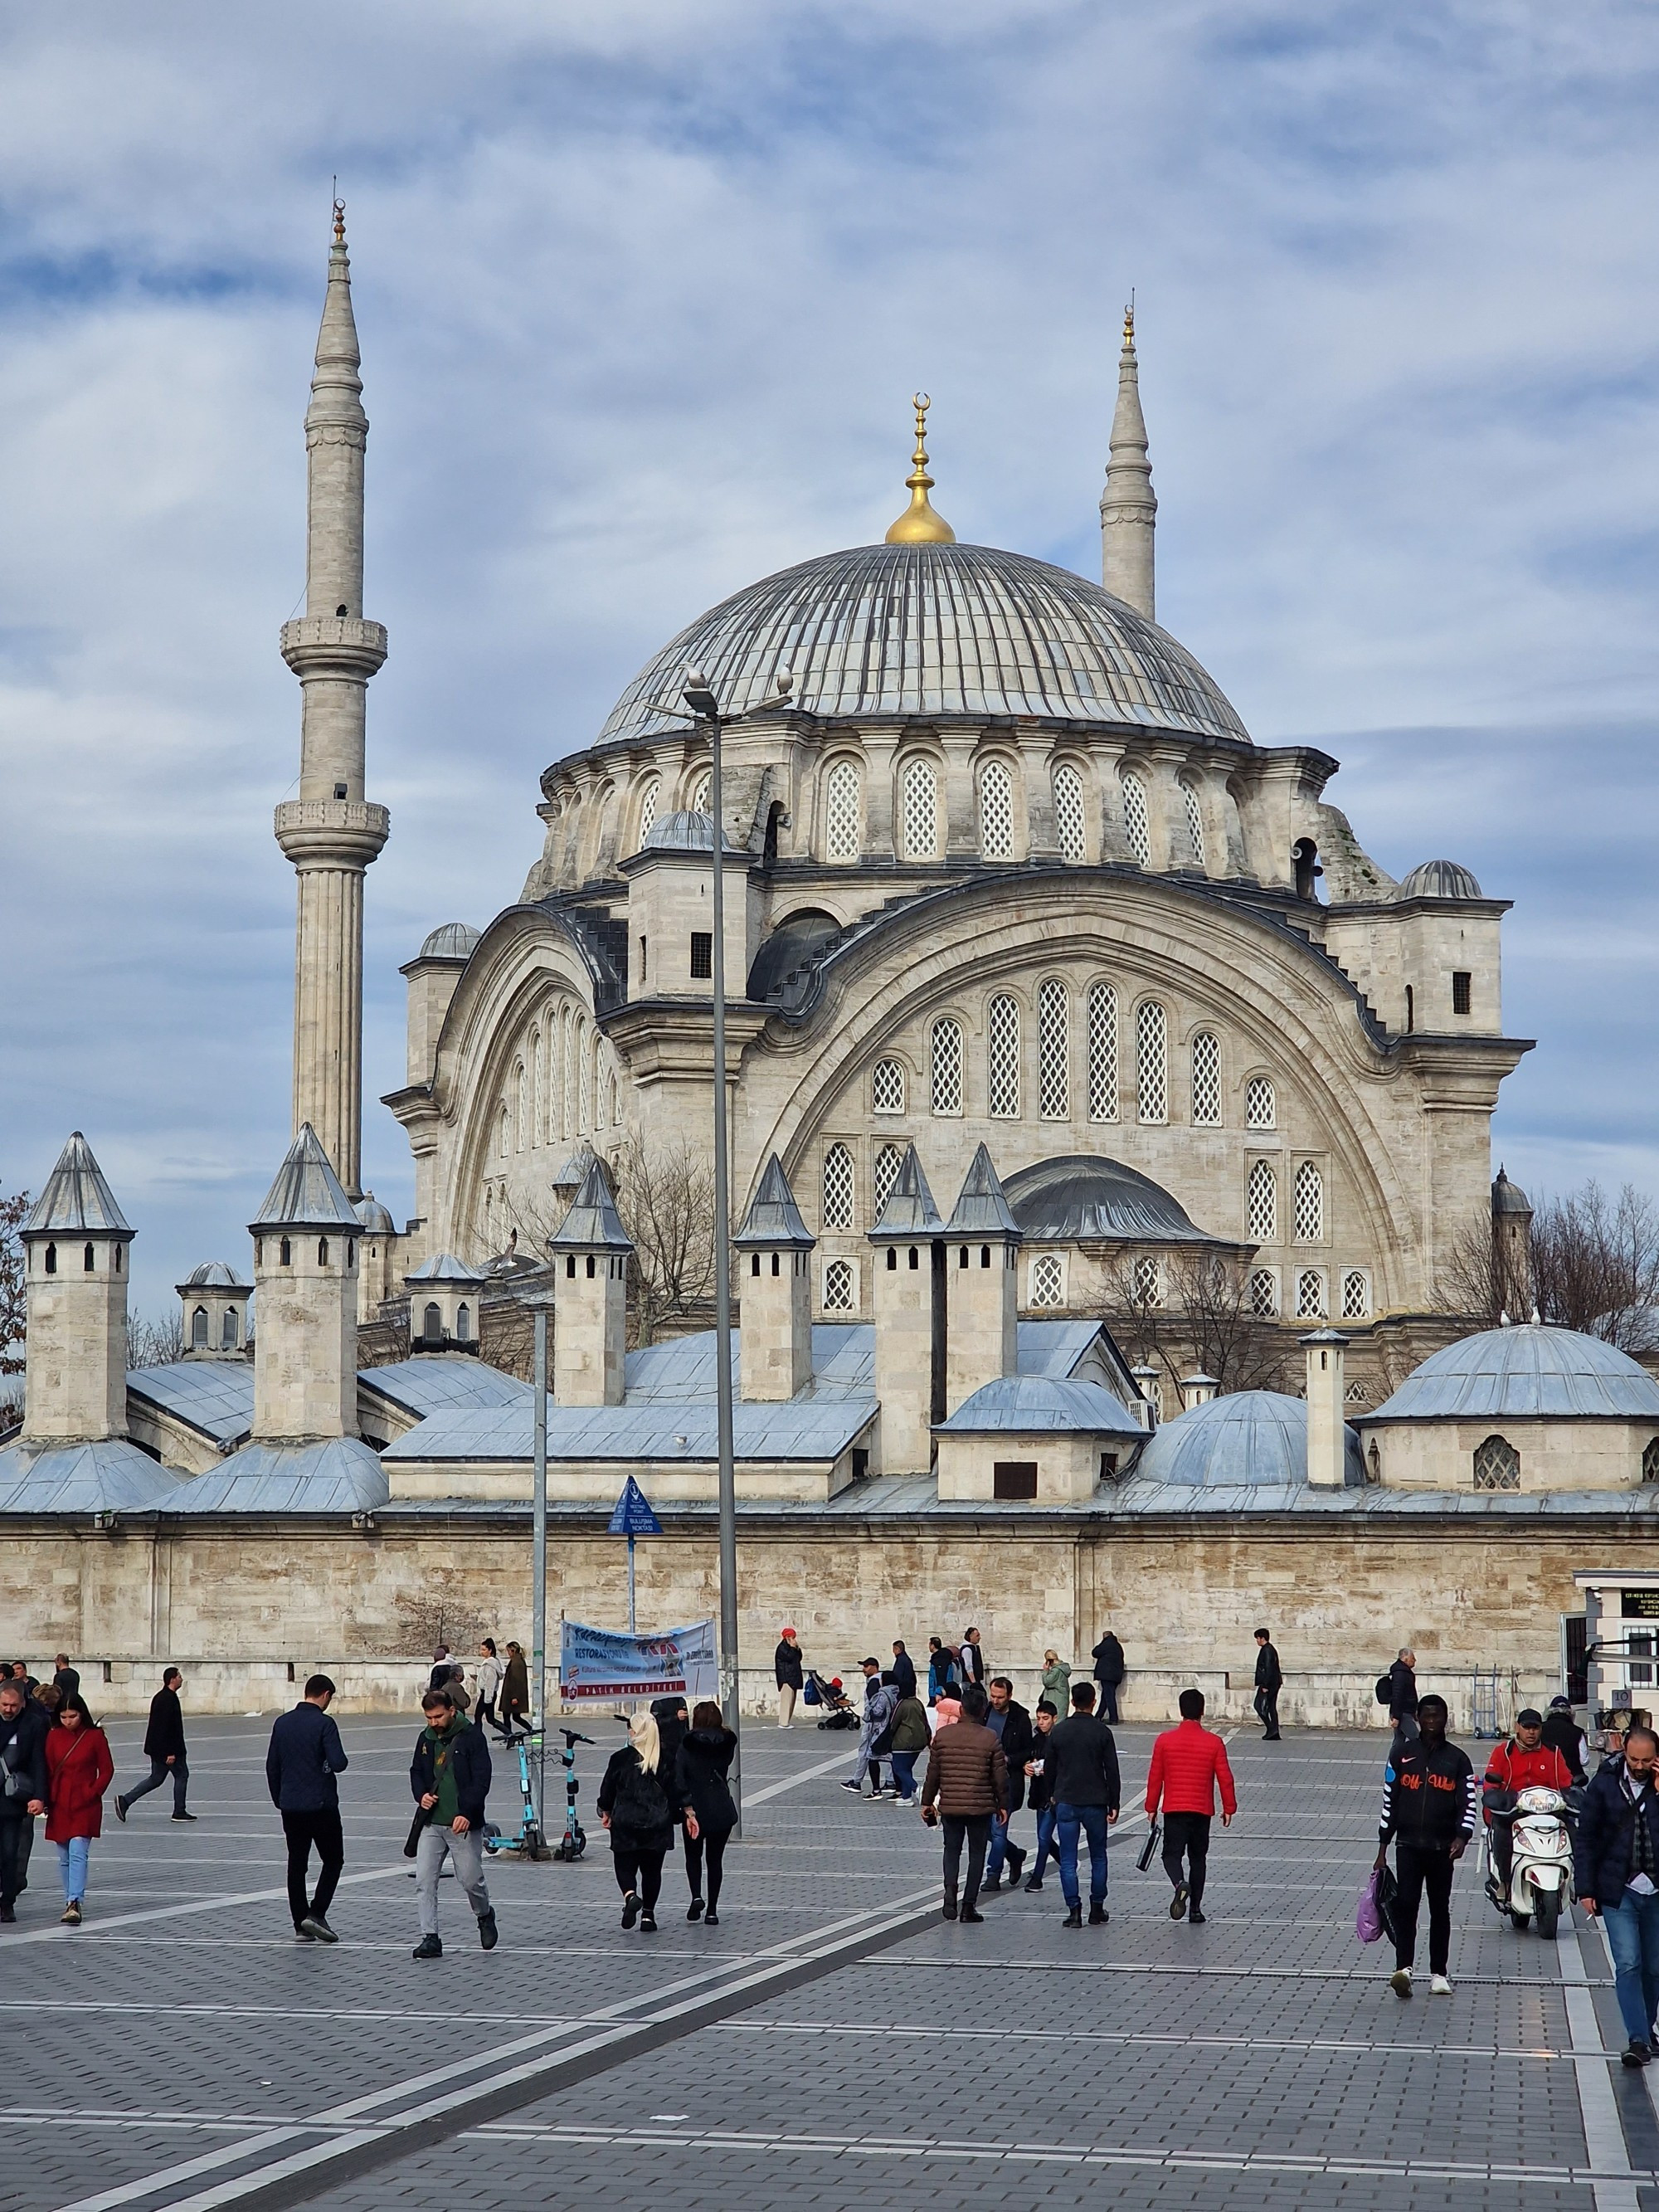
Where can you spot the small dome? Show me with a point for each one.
(1042, 1405)
(213, 1275)
(445, 1267)
(683, 833)
(376, 1221)
(1531, 1372)
(1250, 1439)
(452, 940)
(1447, 879)
(1508, 1197)
(1086, 1195)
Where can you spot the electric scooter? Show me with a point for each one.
(528, 1841)
(1540, 1859)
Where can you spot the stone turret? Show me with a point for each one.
(443, 1304)
(1511, 1246)
(214, 1299)
(1128, 508)
(590, 1253)
(909, 1315)
(981, 1254)
(1327, 1435)
(378, 1257)
(305, 1273)
(75, 1243)
(774, 1276)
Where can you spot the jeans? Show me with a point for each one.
(159, 1771)
(435, 1844)
(1003, 1847)
(1090, 1820)
(710, 1843)
(1187, 1852)
(1047, 1821)
(1633, 1926)
(974, 1828)
(641, 1872)
(1419, 1870)
(786, 1695)
(72, 1865)
(1267, 1709)
(302, 1831)
(1107, 1702)
(904, 1773)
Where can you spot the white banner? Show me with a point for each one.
(604, 1666)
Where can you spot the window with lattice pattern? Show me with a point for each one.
(1206, 1081)
(946, 1057)
(1152, 1062)
(889, 1161)
(1650, 1461)
(1195, 821)
(838, 1187)
(920, 812)
(1146, 1282)
(1356, 1295)
(1071, 824)
(1054, 1057)
(1103, 1053)
(887, 1087)
(842, 823)
(649, 806)
(1136, 828)
(838, 1286)
(1310, 1295)
(1357, 1394)
(1260, 1104)
(1264, 1293)
(703, 791)
(1002, 1058)
(1497, 1465)
(996, 813)
(1309, 1215)
(1047, 1279)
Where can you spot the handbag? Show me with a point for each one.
(422, 1820)
(1154, 1830)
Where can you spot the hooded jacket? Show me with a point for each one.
(880, 1699)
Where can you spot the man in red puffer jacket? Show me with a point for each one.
(1189, 1764)
(1522, 1761)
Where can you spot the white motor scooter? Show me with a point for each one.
(1540, 1860)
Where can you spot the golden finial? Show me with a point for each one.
(918, 524)
(1129, 324)
(339, 221)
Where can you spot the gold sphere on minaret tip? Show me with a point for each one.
(919, 524)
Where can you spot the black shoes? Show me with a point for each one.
(990, 1888)
(647, 1923)
(1034, 1885)
(1197, 1919)
(693, 1911)
(1638, 2055)
(630, 1909)
(969, 1914)
(1016, 1859)
(711, 1919)
(8, 1913)
(184, 1816)
(488, 1934)
(121, 1810)
(949, 1908)
(429, 1947)
(1178, 1902)
(316, 1930)
(1098, 1916)
(1074, 1917)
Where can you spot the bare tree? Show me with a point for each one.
(1483, 1279)
(14, 1213)
(155, 1339)
(1196, 1312)
(1594, 1266)
(667, 1201)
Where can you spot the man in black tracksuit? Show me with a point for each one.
(1269, 1677)
(1428, 1810)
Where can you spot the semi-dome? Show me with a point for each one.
(932, 630)
(451, 940)
(1254, 1439)
(1447, 879)
(1531, 1372)
(1084, 1196)
(684, 832)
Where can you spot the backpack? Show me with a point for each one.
(1385, 1689)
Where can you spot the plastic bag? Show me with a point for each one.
(1368, 1920)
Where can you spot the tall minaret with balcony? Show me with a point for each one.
(331, 832)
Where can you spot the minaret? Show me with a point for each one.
(331, 832)
(1128, 510)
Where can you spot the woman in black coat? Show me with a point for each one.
(515, 1693)
(639, 1804)
(705, 1760)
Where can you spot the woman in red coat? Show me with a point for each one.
(79, 1769)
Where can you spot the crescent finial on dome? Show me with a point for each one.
(919, 524)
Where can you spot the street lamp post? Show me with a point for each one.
(538, 1301)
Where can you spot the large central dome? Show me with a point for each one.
(933, 630)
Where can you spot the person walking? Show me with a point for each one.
(1039, 1791)
(489, 1675)
(449, 1776)
(941, 1670)
(1056, 1681)
(638, 1805)
(164, 1748)
(443, 1669)
(911, 1736)
(1086, 1793)
(967, 1786)
(304, 1756)
(79, 1769)
(1402, 1693)
(790, 1670)
(1010, 1724)
(1110, 1671)
(1429, 1813)
(65, 1680)
(699, 1771)
(880, 1699)
(1188, 1767)
(904, 1671)
(970, 1660)
(515, 1693)
(1269, 1681)
(1562, 1733)
(23, 1731)
(1616, 1873)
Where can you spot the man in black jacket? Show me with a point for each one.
(1010, 1724)
(164, 1748)
(904, 1671)
(24, 1728)
(1402, 1693)
(449, 1776)
(1429, 1812)
(1269, 1677)
(1084, 1757)
(1616, 1873)
(1109, 1670)
(305, 1753)
(1040, 1790)
(65, 1680)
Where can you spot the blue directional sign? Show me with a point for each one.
(633, 1515)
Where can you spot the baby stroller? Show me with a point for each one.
(825, 1692)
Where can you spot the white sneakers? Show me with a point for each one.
(1439, 1986)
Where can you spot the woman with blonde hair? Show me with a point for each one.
(639, 1804)
(1057, 1681)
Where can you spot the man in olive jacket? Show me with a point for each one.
(967, 1784)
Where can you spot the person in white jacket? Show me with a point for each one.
(487, 1681)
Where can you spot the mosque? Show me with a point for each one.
(1050, 994)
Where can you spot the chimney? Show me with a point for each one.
(774, 1284)
(1328, 1433)
(905, 1303)
(982, 1255)
(1197, 1390)
(1146, 1381)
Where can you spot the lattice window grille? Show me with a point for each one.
(888, 1160)
(838, 1187)
(648, 808)
(1497, 1465)
(1195, 821)
(1206, 1081)
(1047, 1279)
(1054, 1069)
(1070, 823)
(887, 1087)
(1002, 1050)
(920, 812)
(1309, 1204)
(702, 791)
(1357, 1394)
(1310, 1295)
(838, 1286)
(1356, 1295)
(947, 1067)
(1260, 1107)
(1103, 1053)
(1650, 1461)
(842, 811)
(1136, 827)
(1264, 1293)
(996, 813)
(1152, 1062)
(1146, 1282)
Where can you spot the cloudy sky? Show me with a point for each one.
(642, 290)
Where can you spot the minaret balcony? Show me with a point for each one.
(345, 833)
(334, 645)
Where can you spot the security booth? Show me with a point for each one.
(1621, 1640)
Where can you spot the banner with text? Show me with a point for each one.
(604, 1665)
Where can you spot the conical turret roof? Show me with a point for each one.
(307, 1193)
(909, 1211)
(76, 1200)
(592, 1224)
(773, 1220)
(981, 1210)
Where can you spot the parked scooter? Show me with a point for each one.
(1540, 1858)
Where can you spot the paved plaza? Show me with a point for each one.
(832, 2044)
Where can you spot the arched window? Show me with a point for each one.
(1151, 1060)
(504, 1133)
(1650, 1459)
(1054, 1055)
(1262, 1204)
(1136, 828)
(1206, 1081)
(597, 1091)
(1195, 820)
(1310, 1295)
(838, 1187)
(650, 799)
(703, 791)
(1146, 1282)
(583, 1074)
(1260, 1107)
(996, 813)
(1002, 1058)
(522, 1116)
(1497, 1465)
(1356, 1295)
(51, 1258)
(1264, 1293)
(1047, 1279)
(616, 1104)
(198, 1329)
(89, 1260)
(285, 1253)
(888, 1160)
(838, 1286)
(1309, 1204)
(227, 1334)
(887, 1087)
(1103, 1053)
(463, 1324)
(841, 812)
(920, 810)
(947, 1067)
(322, 1251)
(567, 1072)
(1071, 824)
(433, 1328)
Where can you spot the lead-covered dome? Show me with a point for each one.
(1250, 1439)
(932, 630)
(1529, 1371)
